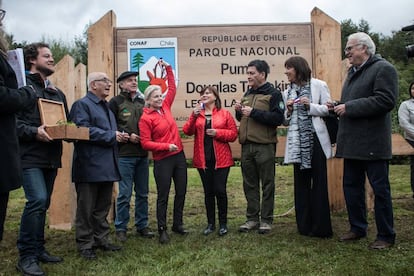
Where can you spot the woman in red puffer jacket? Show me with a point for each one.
(213, 128)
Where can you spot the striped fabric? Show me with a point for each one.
(300, 138)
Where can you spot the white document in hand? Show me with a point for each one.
(16, 61)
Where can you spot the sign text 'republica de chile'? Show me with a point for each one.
(217, 56)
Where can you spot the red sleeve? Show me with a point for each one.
(172, 89)
(189, 126)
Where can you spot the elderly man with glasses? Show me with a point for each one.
(369, 95)
(95, 166)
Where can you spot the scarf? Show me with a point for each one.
(300, 138)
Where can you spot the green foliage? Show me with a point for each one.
(78, 49)
(282, 252)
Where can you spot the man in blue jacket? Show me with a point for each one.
(95, 166)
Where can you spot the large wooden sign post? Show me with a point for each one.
(214, 55)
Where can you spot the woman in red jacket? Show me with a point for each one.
(159, 134)
(213, 128)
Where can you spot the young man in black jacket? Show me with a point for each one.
(41, 157)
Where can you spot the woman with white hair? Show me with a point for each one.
(159, 134)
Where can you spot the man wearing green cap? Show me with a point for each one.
(133, 160)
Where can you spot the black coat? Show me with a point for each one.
(34, 153)
(11, 101)
(369, 94)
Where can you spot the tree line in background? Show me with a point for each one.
(390, 47)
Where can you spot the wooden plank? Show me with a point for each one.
(327, 67)
(400, 146)
(63, 202)
(101, 47)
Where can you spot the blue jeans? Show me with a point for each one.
(38, 188)
(134, 170)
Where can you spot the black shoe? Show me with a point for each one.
(379, 244)
(88, 254)
(223, 230)
(179, 230)
(351, 236)
(146, 233)
(29, 266)
(209, 229)
(121, 236)
(164, 238)
(109, 247)
(45, 257)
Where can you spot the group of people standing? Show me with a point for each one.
(131, 124)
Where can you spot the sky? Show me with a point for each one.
(32, 20)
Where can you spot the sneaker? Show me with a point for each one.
(121, 236)
(264, 228)
(248, 225)
(223, 230)
(146, 233)
(209, 229)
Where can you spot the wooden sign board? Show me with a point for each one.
(53, 115)
(211, 55)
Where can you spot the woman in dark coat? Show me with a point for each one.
(11, 101)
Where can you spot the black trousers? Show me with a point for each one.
(4, 199)
(214, 184)
(411, 165)
(313, 217)
(170, 168)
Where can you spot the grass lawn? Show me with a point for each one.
(282, 252)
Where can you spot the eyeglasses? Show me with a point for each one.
(105, 80)
(349, 48)
(2, 14)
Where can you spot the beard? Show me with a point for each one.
(44, 70)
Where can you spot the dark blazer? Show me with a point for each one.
(11, 101)
(95, 160)
(34, 153)
(369, 94)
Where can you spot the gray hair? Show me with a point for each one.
(364, 39)
(93, 77)
(148, 92)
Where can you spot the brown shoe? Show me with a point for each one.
(379, 244)
(350, 236)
